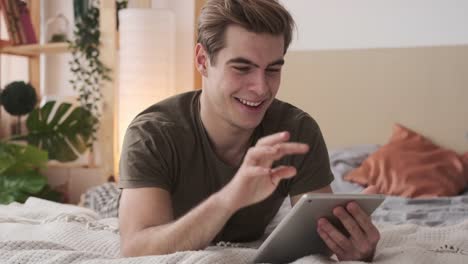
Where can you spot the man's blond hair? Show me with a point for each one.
(259, 16)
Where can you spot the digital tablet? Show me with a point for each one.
(296, 235)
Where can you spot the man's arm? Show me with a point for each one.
(147, 223)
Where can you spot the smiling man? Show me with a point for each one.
(216, 164)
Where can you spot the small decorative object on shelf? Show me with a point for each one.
(18, 98)
(57, 28)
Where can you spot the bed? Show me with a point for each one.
(375, 88)
(414, 230)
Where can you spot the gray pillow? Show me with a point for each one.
(343, 160)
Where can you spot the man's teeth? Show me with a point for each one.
(249, 103)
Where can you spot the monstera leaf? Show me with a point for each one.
(60, 133)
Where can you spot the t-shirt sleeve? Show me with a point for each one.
(313, 168)
(146, 156)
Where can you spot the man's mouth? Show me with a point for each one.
(253, 104)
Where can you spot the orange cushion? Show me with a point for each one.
(410, 165)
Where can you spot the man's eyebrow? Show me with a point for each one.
(277, 62)
(241, 60)
(246, 61)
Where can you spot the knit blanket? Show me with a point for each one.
(40, 231)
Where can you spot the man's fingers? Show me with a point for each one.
(273, 139)
(336, 242)
(371, 189)
(259, 154)
(291, 148)
(255, 171)
(282, 172)
(352, 227)
(330, 243)
(342, 241)
(275, 175)
(364, 221)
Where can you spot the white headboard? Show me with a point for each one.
(357, 95)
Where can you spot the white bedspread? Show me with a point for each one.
(45, 232)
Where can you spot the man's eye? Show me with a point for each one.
(242, 69)
(273, 70)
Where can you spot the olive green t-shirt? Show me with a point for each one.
(166, 146)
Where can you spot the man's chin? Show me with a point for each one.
(249, 125)
(247, 122)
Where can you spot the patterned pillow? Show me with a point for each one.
(104, 199)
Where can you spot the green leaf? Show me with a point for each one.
(59, 114)
(6, 159)
(18, 187)
(16, 158)
(45, 112)
(64, 135)
(27, 181)
(6, 198)
(28, 158)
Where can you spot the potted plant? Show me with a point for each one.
(52, 135)
(58, 135)
(63, 131)
(20, 176)
(18, 98)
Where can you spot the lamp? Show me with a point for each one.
(147, 62)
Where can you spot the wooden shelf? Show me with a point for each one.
(35, 49)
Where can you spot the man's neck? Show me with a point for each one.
(229, 142)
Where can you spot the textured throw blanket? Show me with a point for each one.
(45, 232)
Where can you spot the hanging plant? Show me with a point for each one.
(120, 4)
(89, 73)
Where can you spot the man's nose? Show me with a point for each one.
(260, 85)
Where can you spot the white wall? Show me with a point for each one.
(56, 74)
(415, 77)
(337, 24)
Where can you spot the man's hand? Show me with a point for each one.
(256, 180)
(364, 236)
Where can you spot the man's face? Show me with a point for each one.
(245, 77)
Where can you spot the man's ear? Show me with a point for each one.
(201, 59)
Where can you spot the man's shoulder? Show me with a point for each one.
(173, 112)
(286, 116)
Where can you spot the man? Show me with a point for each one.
(215, 165)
